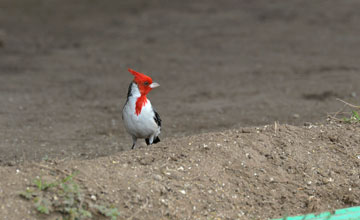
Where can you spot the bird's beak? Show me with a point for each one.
(154, 85)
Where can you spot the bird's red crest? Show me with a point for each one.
(140, 77)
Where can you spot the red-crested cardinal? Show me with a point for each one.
(140, 119)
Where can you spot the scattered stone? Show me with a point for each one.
(296, 116)
(245, 130)
(307, 124)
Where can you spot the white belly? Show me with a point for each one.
(142, 125)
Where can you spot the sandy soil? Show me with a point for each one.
(224, 67)
(252, 173)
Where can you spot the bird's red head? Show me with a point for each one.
(144, 82)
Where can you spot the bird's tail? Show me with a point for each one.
(156, 140)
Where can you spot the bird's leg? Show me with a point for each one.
(134, 142)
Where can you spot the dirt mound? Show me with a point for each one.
(250, 173)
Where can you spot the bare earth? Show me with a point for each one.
(252, 173)
(224, 68)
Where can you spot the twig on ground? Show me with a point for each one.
(275, 126)
(333, 115)
(334, 118)
(348, 104)
(340, 111)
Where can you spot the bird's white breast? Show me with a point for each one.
(142, 125)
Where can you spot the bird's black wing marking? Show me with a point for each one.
(157, 118)
(129, 92)
(128, 95)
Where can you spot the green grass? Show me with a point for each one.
(354, 118)
(67, 197)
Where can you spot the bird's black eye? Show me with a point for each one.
(146, 83)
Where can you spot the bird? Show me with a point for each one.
(140, 119)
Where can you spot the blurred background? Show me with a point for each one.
(221, 64)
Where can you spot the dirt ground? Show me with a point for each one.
(251, 173)
(223, 66)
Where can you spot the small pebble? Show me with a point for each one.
(296, 116)
(307, 124)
